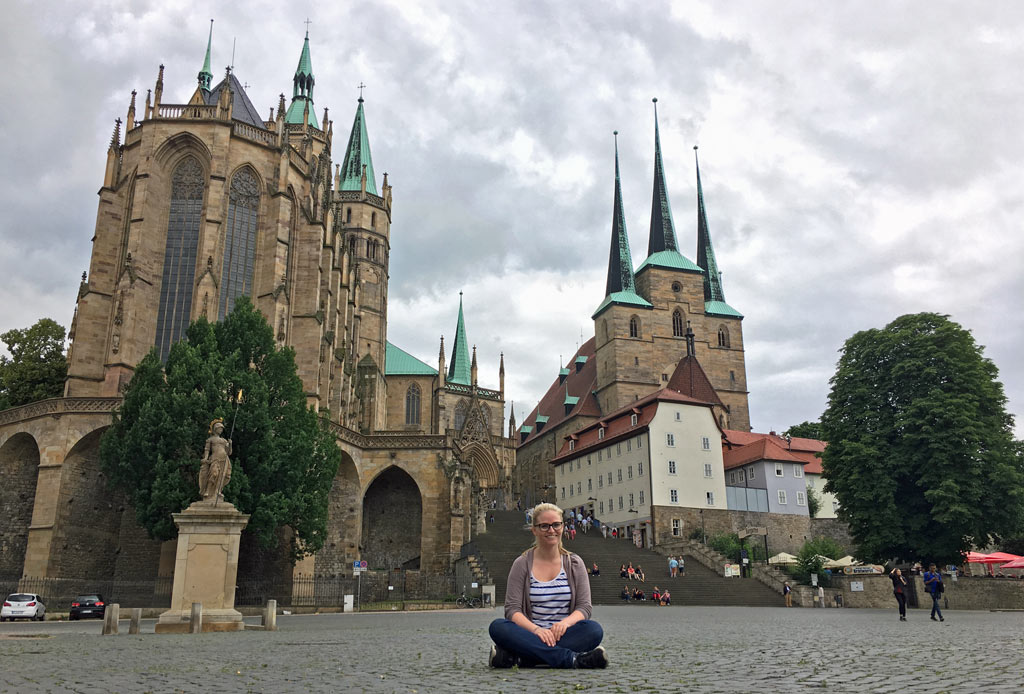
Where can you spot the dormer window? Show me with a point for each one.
(632, 420)
(572, 445)
(600, 433)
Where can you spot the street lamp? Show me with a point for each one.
(702, 531)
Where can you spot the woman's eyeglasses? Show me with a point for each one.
(549, 526)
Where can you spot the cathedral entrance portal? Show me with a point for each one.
(19, 467)
(392, 521)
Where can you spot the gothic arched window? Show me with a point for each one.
(723, 336)
(187, 185)
(461, 410)
(634, 327)
(236, 275)
(412, 404)
(677, 323)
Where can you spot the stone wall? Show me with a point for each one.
(138, 556)
(976, 593)
(392, 518)
(786, 532)
(19, 466)
(834, 529)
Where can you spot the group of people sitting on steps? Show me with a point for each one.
(660, 597)
(633, 574)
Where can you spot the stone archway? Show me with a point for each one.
(19, 469)
(88, 524)
(343, 517)
(392, 521)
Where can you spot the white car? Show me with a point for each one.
(23, 606)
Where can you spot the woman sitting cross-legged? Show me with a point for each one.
(547, 605)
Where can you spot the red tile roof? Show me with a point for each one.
(801, 449)
(689, 379)
(764, 449)
(579, 384)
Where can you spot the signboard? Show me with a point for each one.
(358, 567)
(474, 584)
(865, 569)
(732, 570)
(814, 579)
(753, 530)
(856, 586)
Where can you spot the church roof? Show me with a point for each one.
(398, 362)
(673, 260)
(663, 231)
(460, 368)
(357, 155)
(690, 379)
(205, 76)
(714, 295)
(630, 298)
(241, 108)
(578, 383)
(720, 308)
(303, 89)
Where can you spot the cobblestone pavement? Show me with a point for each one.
(719, 649)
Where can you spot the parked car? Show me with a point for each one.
(88, 605)
(23, 606)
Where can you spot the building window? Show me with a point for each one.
(677, 323)
(412, 406)
(179, 271)
(810, 482)
(782, 496)
(677, 530)
(705, 443)
(723, 336)
(600, 432)
(641, 497)
(632, 420)
(676, 287)
(679, 416)
(710, 498)
(611, 505)
(634, 327)
(600, 481)
(620, 475)
(579, 487)
(572, 445)
(563, 492)
(570, 490)
(629, 472)
(639, 442)
(778, 469)
(750, 473)
(588, 460)
(609, 478)
(618, 449)
(461, 410)
(798, 471)
(801, 499)
(620, 503)
(671, 467)
(602, 508)
(629, 445)
(636, 362)
(640, 469)
(707, 469)
(240, 239)
(600, 456)
(835, 506)
(631, 501)
(673, 496)
(590, 484)
(579, 463)
(664, 378)
(732, 377)
(670, 440)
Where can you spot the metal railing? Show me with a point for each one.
(58, 593)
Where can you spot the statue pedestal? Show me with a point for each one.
(205, 568)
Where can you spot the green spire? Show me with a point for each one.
(302, 89)
(714, 296)
(459, 371)
(357, 155)
(620, 287)
(663, 231)
(205, 76)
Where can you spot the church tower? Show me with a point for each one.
(362, 219)
(622, 321)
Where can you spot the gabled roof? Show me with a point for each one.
(357, 154)
(241, 108)
(720, 308)
(630, 298)
(398, 362)
(689, 379)
(576, 384)
(762, 449)
(805, 450)
(672, 260)
(460, 370)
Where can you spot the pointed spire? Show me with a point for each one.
(705, 251)
(620, 261)
(512, 420)
(473, 368)
(459, 371)
(115, 137)
(440, 362)
(357, 159)
(501, 374)
(663, 231)
(129, 122)
(302, 89)
(205, 75)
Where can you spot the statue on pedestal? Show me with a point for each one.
(215, 471)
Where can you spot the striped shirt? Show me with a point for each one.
(549, 600)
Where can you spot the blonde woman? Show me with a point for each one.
(547, 605)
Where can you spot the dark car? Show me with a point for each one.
(89, 605)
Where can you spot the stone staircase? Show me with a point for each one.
(507, 537)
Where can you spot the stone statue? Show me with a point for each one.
(216, 468)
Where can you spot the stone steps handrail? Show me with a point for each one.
(58, 406)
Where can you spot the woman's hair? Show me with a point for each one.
(544, 507)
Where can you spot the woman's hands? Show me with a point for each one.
(548, 635)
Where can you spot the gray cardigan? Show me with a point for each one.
(517, 593)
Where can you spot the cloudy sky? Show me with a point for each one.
(860, 160)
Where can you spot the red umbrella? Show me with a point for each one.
(975, 557)
(1017, 563)
(997, 558)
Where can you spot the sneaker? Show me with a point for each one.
(933, 618)
(597, 658)
(942, 619)
(500, 658)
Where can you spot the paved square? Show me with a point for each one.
(715, 649)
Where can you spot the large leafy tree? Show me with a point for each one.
(283, 460)
(804, 430)
(37, 365)
(921, 454)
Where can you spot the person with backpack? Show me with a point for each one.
(933, 584)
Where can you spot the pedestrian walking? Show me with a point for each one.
(788, 592)
(933, 584)
(899, 589)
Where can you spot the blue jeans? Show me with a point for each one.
(581, 637)
(935, 605)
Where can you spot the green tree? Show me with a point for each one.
(813, 502)
(804, 430)
(812, 556)
(921, 454)
(37, 366)
(283, 460)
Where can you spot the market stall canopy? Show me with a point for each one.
(783, 558)
(1017, 563)
(998, 558)
(848, 560)
(975, 557)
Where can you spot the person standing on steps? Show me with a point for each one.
(788, 592)
(933, 584)
(547, 605)
(673, 567)
(899, 589)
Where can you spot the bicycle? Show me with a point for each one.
(468, 601)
